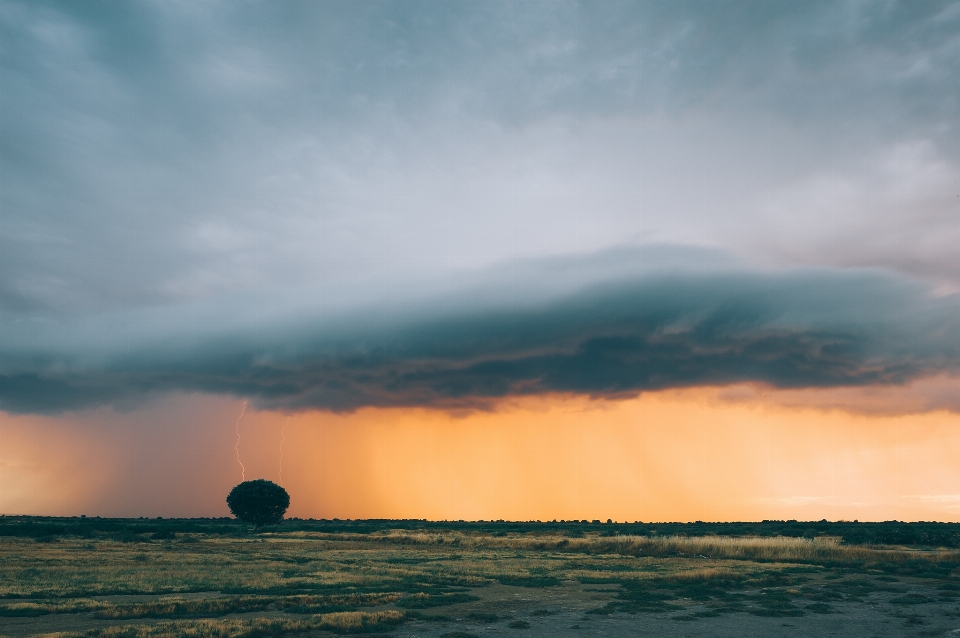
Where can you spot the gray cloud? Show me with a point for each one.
(339, 204)
(622, 322)
(156, 153)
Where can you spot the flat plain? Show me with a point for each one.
(215, 578)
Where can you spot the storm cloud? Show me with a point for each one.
(338, 204)
(158, 153)
(623, 322)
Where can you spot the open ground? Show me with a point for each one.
(214, 578)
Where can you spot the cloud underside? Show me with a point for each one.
(816, 328)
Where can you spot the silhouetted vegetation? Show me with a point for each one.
(260, 502)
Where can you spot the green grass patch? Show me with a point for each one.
(911, 599)
(636, 598)
(529, 581)
(483, 617)
(426, 601)
(820, 608)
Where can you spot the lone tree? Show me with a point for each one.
(260, 502)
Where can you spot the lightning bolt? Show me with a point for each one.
(236, 447)
(283, 437)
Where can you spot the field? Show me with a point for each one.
(151, 578)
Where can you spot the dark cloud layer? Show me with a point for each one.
(277, 200)
(623, 331)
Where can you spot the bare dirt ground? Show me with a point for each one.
(568, 605)
(562, 611)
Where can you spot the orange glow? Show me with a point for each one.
(694, 454)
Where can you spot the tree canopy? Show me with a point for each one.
(260, 502)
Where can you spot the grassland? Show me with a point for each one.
(92, 577)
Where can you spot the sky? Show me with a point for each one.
(481, 260)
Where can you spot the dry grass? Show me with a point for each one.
(103, 568)
(221, 628)
(358, 621)
(397, 562)
(825, 549)
(347, 622)
(765, 549)
(178, 606)
(68, 606)
(333, 582)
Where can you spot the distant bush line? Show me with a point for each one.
(918, 534)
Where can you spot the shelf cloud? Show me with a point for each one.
(286, 202)
(610, 324)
